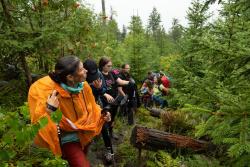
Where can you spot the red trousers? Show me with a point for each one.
(73, 153)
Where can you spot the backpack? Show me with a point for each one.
(165, 81)
(115, 71)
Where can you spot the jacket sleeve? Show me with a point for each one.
(98, 92)
(96, 110)
(37, 104)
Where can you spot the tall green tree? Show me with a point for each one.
(123, 33)
(191, 44)
(40, 31)
(154, 23)
(139, 50)
(213, 78)
(175, 31)
(135, 43)
(155, 30)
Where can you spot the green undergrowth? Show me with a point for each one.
(16, 141)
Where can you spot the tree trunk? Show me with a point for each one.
(103, 12)
(62, 49)
(151, 139)
(40, 20)
(26, 70)
(40, 62)
(46, 66)
(6, 12)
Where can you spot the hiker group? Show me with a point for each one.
(154, 89)
(89, 96)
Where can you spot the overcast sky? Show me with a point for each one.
(168, 9)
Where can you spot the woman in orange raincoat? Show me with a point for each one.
(81, 116)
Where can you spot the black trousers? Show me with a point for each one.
(107, 128)
(128, 111)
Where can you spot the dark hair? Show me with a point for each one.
(149, 84)
(150, 73)
(161, 73)
(64, 66)
(103, 61)
(158, 78)
(124, 65)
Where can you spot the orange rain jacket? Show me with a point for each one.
(80, 113)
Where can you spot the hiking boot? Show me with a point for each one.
(108, 155)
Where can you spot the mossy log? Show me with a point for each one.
(155, 112)
(152, 139)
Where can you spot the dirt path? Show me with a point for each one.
(97, 148)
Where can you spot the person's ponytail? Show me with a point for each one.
(64, 66)
(55, 77)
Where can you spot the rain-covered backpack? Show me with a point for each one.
(115, 71)
(165, 81)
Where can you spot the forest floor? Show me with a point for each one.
(125, 153)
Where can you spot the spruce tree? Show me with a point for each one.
(213, 78)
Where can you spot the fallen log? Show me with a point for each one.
(152, 139)
(155, 112)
